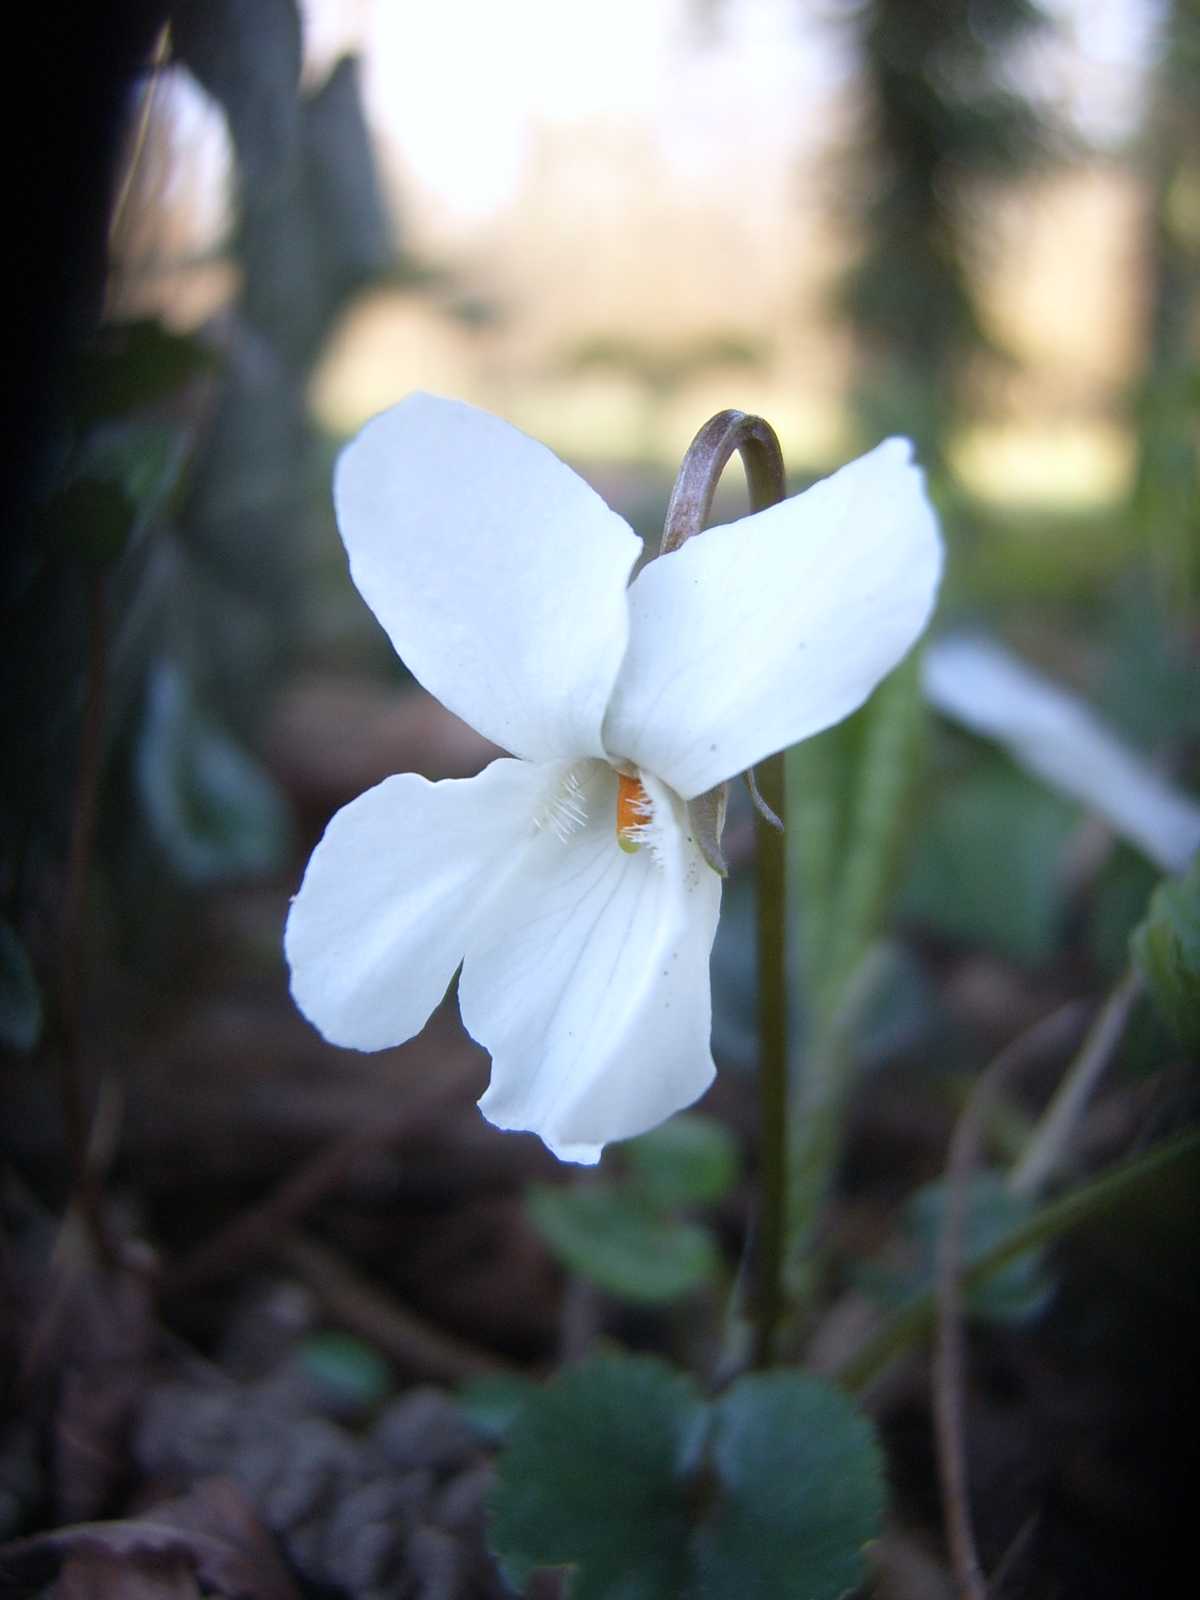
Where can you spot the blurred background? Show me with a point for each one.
(956, 219)
(244, 230)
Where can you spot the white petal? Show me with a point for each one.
(1056, 736)
(379, 925)
(498, 574)
(762, 632)
(589, 982)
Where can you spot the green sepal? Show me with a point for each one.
(706, 819)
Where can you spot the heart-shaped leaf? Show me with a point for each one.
(620, 1470)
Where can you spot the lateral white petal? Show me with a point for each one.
(588, 982)
(767, 630)
(498, 574)
(1055, 735)
(379, 925)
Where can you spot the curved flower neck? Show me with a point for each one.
(706, 459)
(687, 513)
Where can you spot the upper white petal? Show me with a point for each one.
(588, 980)
(498, 574)
(764, 631)
(1055, 735)
(381, 919)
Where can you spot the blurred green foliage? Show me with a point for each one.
(351, 1373)
(627, 1234)
(20, 997)
(209, 805)
(1017, 1292)
(988, 863)
(1166, 501)
(1166, 948)
(178, 496)
(851, 791)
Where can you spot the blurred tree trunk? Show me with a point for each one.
(938, 115)
(76, 66)
(1167, 489)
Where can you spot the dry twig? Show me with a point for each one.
(257, 1231)
(949, 1353)
(415, 1344)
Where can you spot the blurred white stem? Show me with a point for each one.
(1058, 738)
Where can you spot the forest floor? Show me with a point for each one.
(236, 1361)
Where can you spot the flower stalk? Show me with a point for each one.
(688, 510)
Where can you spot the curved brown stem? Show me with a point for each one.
(706, 459)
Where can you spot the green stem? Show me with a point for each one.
(688, 510)
(914, 1321)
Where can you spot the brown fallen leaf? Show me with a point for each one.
(211, 1533)
(101, 1575)
(85, 1329)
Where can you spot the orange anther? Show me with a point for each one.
(633, 811)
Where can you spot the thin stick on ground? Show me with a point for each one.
(257, 1230)
(409, 1340)
(949, 1361)
(1045, 1151)
(912, 1324)
(73, 1090)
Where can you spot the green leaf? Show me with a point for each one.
(349, 1369)
(145, 459)
(613, 1238)
(1166, 949)
(1015, 1293)
(849, 797)
(493, 1403)
(20, 998)
(689, 1160)
(987, 868)
(212, 808)
(1118, 901)
(620, 1470)
(889, 759)
(130, 365)
(92, 518)
(594, 1476)
(122, 476)
(800, 1492)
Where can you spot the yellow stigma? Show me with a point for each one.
(633, 811)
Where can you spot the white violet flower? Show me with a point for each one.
(567, 880)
